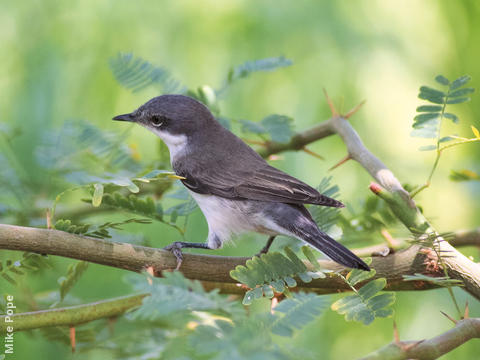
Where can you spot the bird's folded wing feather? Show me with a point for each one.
(266, 184)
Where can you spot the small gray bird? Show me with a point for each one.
(236, 189)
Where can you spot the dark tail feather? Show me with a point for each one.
(336, 251)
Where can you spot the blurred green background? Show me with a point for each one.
(55, 56)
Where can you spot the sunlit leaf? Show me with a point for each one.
(464, 175)
(475, 131)
(97, 195)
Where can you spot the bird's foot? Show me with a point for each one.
(266, 247)
(176, 249)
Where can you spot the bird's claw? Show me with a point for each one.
(176, 249)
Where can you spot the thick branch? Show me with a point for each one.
(213, 271)
(429, 349)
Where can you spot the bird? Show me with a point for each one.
(234, 187)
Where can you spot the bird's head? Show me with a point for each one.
(173, 118)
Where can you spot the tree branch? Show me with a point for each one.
(213, 271)
(433, 348)
(72, 315)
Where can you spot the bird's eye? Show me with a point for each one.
(158, 120)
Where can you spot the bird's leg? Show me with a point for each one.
(267, 246)
(177, 246)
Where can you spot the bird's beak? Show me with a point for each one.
(125, 117)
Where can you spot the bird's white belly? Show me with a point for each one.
(227, 217)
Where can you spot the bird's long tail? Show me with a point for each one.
(335, 251)
(299, 222)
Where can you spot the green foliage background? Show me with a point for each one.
(55, 58)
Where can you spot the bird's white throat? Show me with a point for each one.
(176, 144)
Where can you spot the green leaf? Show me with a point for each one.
(75, 271)
(440, 281)
(133, 204)
(429, 108)
(154, 175)
(356, 276)
(427, 148)
(297, 312)
(462, 80)
(367, 304)
(428, 132)
(279, 127)
(311, 257)
(173, 293)
(445, 139)
(432, 95)
(458, 100)
(461, 92)
(253, 127)
(422, 118)
(97, 195)
(267, 64)
(442, 80)
(326, 217)
(272, 269)
(136, 74)
(452, 117)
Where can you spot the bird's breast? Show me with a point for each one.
(226, 217)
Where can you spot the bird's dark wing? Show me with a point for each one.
(264, 183)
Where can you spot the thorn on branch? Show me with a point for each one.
(341, 162)
(330, 104)
(449, 318)
(411, 346)
(255, 142)
(313, 153)
(150, 271)
(111, 325)
(466, 314)
(392, 243)
(72, 338)
(49, 219)
(354, 110)
(396, 334)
